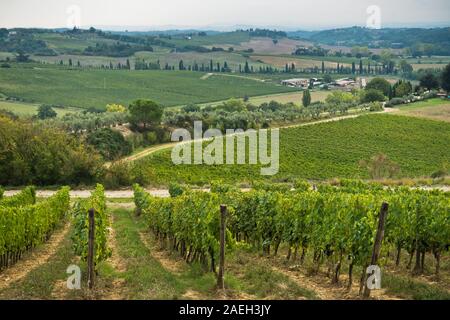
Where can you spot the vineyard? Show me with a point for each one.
(324, 151)
(256, 241)
(334, 225)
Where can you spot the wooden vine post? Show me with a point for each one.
(223, 215)
(91, 242)
(378, 242)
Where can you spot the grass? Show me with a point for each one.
(29, 109)
(409, 288)
(96, 88)
(435, 109)
(326, 151)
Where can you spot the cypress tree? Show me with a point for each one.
(306, 100)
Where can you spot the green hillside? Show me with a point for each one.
(328, 150)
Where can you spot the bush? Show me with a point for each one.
(111, 144)
(117, 175)
(395, 102)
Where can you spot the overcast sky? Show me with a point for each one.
(156, 14)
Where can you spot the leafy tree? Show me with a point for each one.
(340, 97)
(402, 88)
(46, 112)
(406, 67)
(306, 100)
(380, 84)
(145, 112)
(429, 81)
(372, 95)
(445, 79)
(42, 155)
(22, 57)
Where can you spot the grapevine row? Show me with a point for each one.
(25, 224)
(80, 239)
(335, 225)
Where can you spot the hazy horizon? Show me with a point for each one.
(141, 15)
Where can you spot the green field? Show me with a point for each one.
(328, 150)
(436, 109)
(232, 38)
(28, 109)
(64, 43)
(96, 88)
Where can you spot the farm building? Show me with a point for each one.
(296, 83)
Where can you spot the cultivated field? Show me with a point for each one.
(295, 97)
(266, 45)
(96, 88)
(281, 61)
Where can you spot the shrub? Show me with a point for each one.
(117, 175)
(109, 143)
(175, 190)
(396, 101)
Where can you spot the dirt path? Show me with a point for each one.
(206, 76)
(128, 194)
(34, 259)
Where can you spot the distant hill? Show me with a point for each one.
(435, 41)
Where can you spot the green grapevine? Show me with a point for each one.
(97, 201)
